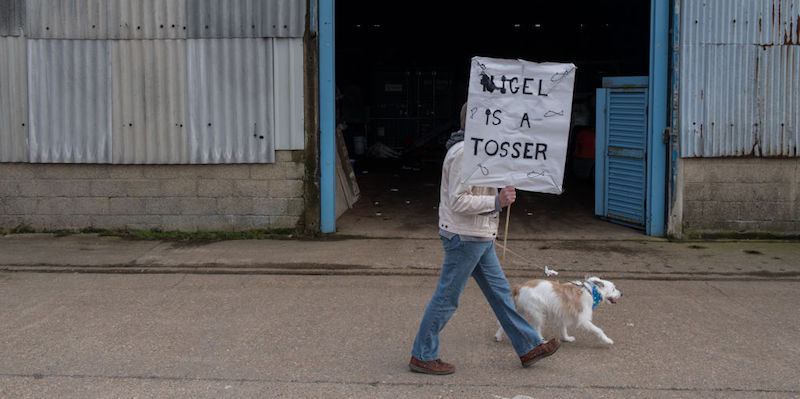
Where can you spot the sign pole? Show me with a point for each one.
(505, 235)
(517, 126)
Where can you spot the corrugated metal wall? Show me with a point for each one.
(171, 91)
(69, 84)
(739, 78)
(229, 100)
(288, 88)
(245, 18)
(149, 92)
(164, 19)
(13, 100)
(12, 17)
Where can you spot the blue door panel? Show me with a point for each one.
(624, 155)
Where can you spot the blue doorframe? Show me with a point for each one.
(658, 110)
(658, 107)
(327, 117)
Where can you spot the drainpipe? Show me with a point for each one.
(327, 111)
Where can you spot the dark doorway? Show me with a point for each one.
(401, 74)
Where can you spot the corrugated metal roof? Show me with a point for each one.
(164, 19)
(13, 100)
(12, 17)
(739, 78)
(230, 100)
(149, 92)
(70, 99)
(288, 94)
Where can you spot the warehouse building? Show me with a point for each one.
(202, 115)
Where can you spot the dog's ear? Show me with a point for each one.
(596, 281)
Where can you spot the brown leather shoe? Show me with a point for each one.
(541, 351)
(437, 366)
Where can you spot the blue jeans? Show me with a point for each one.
(462, 259)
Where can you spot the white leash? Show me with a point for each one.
(547, 271)
(512, 252)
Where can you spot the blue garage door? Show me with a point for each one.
(622, 143)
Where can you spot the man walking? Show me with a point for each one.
(468, 220)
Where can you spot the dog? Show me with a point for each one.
(568, 304)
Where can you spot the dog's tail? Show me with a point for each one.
(515, 292)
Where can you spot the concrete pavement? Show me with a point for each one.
(336, 318)
(638, 258)
(266, 336)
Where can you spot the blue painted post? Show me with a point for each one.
(658, 109)
(674, 81)
(327, 117)
(600, 153)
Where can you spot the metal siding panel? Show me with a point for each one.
(739, 78)
(106, 19)
(13, 100)
(284, 18)
(149, 92)
(66, 19)
(70, 100)
(152, 19)
(230, 101)
(12, 17)
(728, 117)
(146, 19)
(762, 22)
(288, 94)
(224, 18)
(778, 91)
(245, 18)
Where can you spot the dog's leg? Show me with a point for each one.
(537, 321)
(597, 331)
(564, 335)
(498, 336)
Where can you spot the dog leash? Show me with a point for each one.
(512, 252)
(594, 292)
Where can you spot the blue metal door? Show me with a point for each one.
(621, 171)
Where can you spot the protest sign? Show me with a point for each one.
(518, 116)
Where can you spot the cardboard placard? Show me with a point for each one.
(518, 118)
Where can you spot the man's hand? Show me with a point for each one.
(507, 196)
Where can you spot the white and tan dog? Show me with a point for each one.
(569, 304)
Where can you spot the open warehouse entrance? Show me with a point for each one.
(401, 78)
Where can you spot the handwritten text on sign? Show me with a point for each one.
(518, 115)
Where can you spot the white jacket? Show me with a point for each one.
(461, 205)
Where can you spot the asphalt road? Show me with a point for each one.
(66, 335)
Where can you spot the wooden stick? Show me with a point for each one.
(505, 236)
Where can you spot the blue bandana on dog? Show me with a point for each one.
(596, 297)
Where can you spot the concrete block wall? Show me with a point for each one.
(741, 195)
(144, 197)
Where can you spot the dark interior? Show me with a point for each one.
(402, 70)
